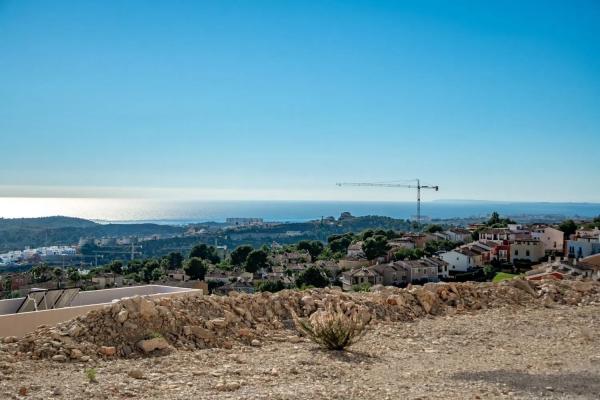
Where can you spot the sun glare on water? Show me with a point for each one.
(90, 208)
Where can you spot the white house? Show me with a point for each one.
(459, 260)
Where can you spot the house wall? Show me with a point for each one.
(532, 251)
(551, 238)
(582, 247)
(457, 261)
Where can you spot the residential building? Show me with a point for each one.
(391, 274)
(418, 271)
(107, 280)
(552, 239)
(495, 234)
(527, 249)
(296, 257)
(178, 275)
(244, 221)
(361, 276)
(403, 242)
(499, 250)
(583, 246)
(355, 250)
(459, 260)
(458, 235)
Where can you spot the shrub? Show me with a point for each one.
(154, 335)
(332, 328)
(91, 374)
(363, 287)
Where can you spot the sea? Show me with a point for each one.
(180, 212)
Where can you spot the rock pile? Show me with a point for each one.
(139, 325)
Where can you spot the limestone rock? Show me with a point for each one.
(153, 344)
(108, 351)
(122, 316)
(136, 374)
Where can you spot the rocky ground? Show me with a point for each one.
(516, 339)
(524, 353)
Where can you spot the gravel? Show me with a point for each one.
(509, 352)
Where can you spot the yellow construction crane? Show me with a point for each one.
(418, 186)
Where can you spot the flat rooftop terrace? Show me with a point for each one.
(14, 322)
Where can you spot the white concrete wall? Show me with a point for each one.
(456, 261)
(23, 323)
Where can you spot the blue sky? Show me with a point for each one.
(280, 100)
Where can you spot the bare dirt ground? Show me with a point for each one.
(525, 353)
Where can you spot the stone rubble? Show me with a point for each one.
(139, 325)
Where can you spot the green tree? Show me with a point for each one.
(196, 268)
(116, 267)
(340, 243)
(40, 273)
(134, 266)
(494, 219)
(157, 274)
(272, 287)
(58, 274)
(568, 227)
(433, 228)
(314, 248)
(312, 276)
(256, 260)
(240, 254)
(375, 246)
(408, 254)
(175, 260)
(7, 284)
(73, 275)
(367, 234)
(205, 252)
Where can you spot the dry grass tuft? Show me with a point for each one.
(333, 328)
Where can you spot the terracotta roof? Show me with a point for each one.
(592, 261)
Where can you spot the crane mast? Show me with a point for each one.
(418, 186)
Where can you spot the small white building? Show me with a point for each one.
(459, 260)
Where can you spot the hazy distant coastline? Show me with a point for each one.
(184, 212)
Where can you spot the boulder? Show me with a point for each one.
(76, 354)
(150, 345)
(108, 351)
(135, 374)
(122, 316)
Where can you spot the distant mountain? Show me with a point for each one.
(45, 223)
(18, 233)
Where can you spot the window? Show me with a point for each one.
(516, 252)
(527, 253)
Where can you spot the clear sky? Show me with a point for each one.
(280, 100)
